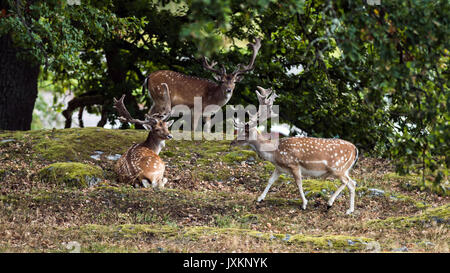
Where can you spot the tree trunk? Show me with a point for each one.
(18, 87)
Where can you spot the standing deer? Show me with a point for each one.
(297, 156)
(141, 163)
(184, 88)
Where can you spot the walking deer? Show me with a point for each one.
(141, 162)
(297, 156)
(184, 88)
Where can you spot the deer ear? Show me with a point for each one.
(152, 121)
(218, 77)
(169, 123)
(238, 78)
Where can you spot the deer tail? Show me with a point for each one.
(356, 157)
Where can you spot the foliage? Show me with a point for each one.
(405, 49)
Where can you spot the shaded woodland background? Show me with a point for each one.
(376, 75)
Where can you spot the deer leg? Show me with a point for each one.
(351, 187)
(145, 183)
(337, 192)
(196, 122)
(207, 126)
(163, 182)
(297, 173)
(272, 179)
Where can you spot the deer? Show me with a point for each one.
(184, 88)
(141, 164)
(298, 156)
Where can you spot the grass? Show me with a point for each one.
(208, 205)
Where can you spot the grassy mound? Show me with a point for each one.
(414, 182)
(71, 174)
(429, 217)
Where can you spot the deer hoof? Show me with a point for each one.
(329, 207)
(349, 211)
(304, 205)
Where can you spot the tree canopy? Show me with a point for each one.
(376, 75)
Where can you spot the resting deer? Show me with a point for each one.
(141, 163)
(299, 156)
(184, 88)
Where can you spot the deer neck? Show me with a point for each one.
(264, 148)
(217, 95)
(154, 143)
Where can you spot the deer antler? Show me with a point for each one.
(211, 68)
(125, 115)
(266, 98)
(255, 47)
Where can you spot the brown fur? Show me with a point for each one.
(140, 162)
(303, 150)
(184, 88)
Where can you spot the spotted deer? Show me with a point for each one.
(184, 88)
(298, 156)
(141, 163)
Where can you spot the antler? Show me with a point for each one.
(210, 67)
(255, 47)
(266, 98)
(125, 115)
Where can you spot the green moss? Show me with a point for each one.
(403, 198)
(223, 221)
(414, 182)
(218, 175)
(316, 187)
(238, 156)
(77, 143)
(167, 153)
(71, 174)
(329, 242)
(249, 218)
(269, 167)
(100, 229)
(9, 199)
(439, 215)
(123, 189)
(336, 242)
(2, 174)
(106, 248)
(130, 230)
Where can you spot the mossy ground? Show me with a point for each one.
(208, 206)
(71, 174)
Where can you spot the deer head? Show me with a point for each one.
(226, 80)
(163, 105)
(266, 98)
